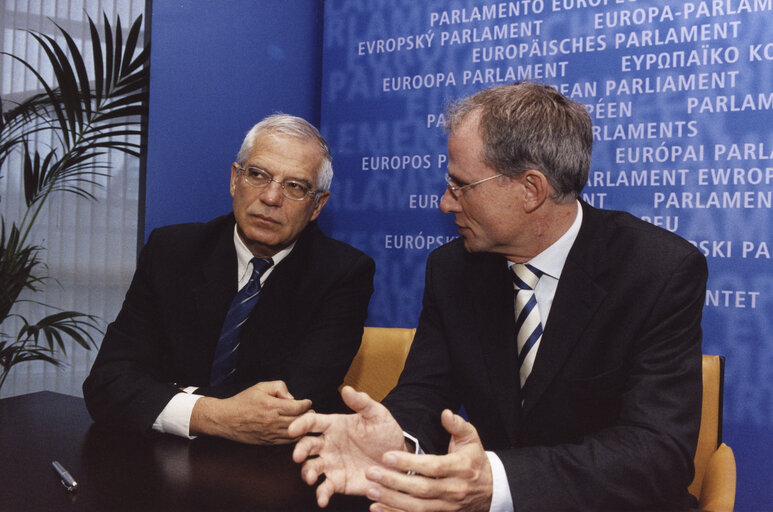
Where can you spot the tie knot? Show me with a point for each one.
(260, 265)
(525, 276)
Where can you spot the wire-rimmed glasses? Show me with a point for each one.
(260, 178)
(456, 189)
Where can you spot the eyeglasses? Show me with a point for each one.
(260, 178)
(456, 190)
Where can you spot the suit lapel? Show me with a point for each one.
(576, 300)
(279, 302)
(216, 287)
(492, 297)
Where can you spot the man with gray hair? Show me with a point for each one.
(235, 327)
(570, 335)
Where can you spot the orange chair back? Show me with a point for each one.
(380, 360)
(710, 435)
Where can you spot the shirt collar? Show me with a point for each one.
(551, 260)
(243, 257)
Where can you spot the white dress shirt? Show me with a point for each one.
(175, 418)
(551, 263)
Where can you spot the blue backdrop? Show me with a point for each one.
(680, 95)
(215, 72)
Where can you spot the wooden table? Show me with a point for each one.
(127, 471)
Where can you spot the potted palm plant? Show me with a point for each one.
(87, 113)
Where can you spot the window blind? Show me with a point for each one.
(90, 246)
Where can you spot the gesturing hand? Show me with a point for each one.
(258, 415)
(347, 446)
(461, 480)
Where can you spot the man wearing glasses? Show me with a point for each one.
(571, 336)
(235, 327)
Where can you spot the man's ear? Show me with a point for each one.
(535, 189)
(320, 202)
(234, 178)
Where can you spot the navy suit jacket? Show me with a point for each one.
(611, 410)
(305, 329)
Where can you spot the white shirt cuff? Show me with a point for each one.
(176, 416)
(416, 448)
(501, 500)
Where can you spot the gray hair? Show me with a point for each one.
(531, 126)
(298, 128)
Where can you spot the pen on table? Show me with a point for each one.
(68, 481)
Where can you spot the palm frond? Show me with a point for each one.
(75, 172)
(80, 67)
(18, 262)
(77, 113)
(108, 67)
(87, 113)
(14, 353)
(22, 112)
(131, 46)
(71, 96)
(49, 100)
(74, 325)
(37, 173)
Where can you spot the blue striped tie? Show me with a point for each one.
(224, 362)
(528, 325)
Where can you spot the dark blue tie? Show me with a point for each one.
(224, 362)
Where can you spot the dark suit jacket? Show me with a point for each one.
(611, 410)
(305, 329)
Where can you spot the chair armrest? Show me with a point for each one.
(718, 489)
